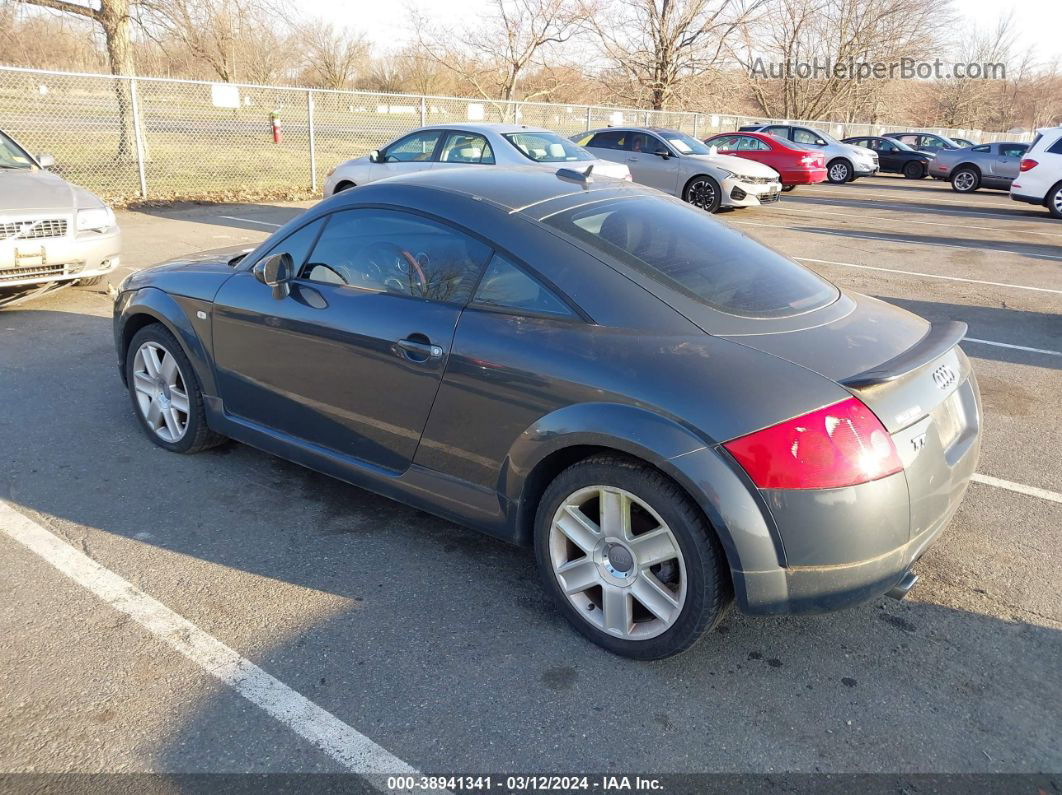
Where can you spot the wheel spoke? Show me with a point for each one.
(144, 384)
(168, 371)
(173, 424)
(579, 529)
(578, 575)
(654, 547)
(154, 415)
(179, 400)
(151, 363)
(618, 609)
(655, 597)
(615, 514)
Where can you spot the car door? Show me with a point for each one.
(409, 154)
(888, 154)
(651, 162)
(1007, 162)
(351, 360)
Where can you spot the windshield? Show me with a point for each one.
(685, 249)
(12, 155)
(685, 144)
(547, 147)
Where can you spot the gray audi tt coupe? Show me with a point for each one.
(673, 415)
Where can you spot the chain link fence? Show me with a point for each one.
(130, 139)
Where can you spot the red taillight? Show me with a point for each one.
(840, 445)
(1028, 164)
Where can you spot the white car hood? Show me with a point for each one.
(738, 165)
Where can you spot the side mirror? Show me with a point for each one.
(662, 153)
(276, 272)
(374, 156)
(45, 160)
(820, 142)
(713, 150)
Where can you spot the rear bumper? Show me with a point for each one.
(27, 262)
(804, 177)
(1021, 197)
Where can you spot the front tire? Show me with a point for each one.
(92, 281)
(788, 188)
(165, 392)
(629, 559)
(839, 171)
(965, 180)
(914, 170)
(704, 192)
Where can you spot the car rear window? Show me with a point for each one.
(685, 249)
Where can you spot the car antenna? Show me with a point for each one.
(574, 175)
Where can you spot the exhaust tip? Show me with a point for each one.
(906, 583)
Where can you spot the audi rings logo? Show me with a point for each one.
(944, 377)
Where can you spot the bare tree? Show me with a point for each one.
(493, 56)
(659, 45)
(333, 54)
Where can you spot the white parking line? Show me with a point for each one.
(249, 220)
(881, 239)
(928, 275)
(354, 751)
(906, 221)
(859, 192)
(1020, 488)
(1014, 347)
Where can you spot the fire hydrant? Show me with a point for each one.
(274, 122)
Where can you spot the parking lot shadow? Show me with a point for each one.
(1041, 330)
(252, 217)
(1034, 250)
(446, 650)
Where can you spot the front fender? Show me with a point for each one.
(721, 489)
(176, 313)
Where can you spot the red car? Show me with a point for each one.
(794, 164)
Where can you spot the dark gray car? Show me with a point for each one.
(672, 414)
(986, 166)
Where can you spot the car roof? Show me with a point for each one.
(482, 126)
(523, 189)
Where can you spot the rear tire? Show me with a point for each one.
(704, 192)
(965, 180)
(914, 170)
(165, 393)
(609, 572)
(788, 188)
(1054, 201)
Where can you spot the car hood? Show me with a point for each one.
(737, 165)
(26, 189)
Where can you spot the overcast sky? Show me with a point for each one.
(1039, 22)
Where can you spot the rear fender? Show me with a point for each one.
(721, 489)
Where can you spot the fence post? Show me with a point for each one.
(313, 152)
(696, 125)
(423, 111)
(138, 137)
(588, 117)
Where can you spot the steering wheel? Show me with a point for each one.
(394, 267)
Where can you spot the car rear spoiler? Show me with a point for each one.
(940, 339)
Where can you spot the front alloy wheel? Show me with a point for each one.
(1054, 202)
(839, 172)
(704, 192)
(160, 391)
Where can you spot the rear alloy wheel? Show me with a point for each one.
(629, 559)
(839, 171)
(1054, 201)
(965, 180)
(703, 192)
(914, 170)
(165, 393)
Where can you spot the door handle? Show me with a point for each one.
(419, 350)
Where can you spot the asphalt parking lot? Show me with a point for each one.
(438, 644)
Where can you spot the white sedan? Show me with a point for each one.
(678, 164)
(462, 145)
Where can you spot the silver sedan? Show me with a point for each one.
(986, 166)
(464, 145)
(675, 163)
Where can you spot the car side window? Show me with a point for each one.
(462, 147)
(987, 149)
(726, 142)
(297, 244)
(1012, 150)
(1055, 148)
(749, 144)
(612, 139)
(804, 136)
(396, 252)
(884, 146)
(505, 286)
(416, 147)
(778, 129)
